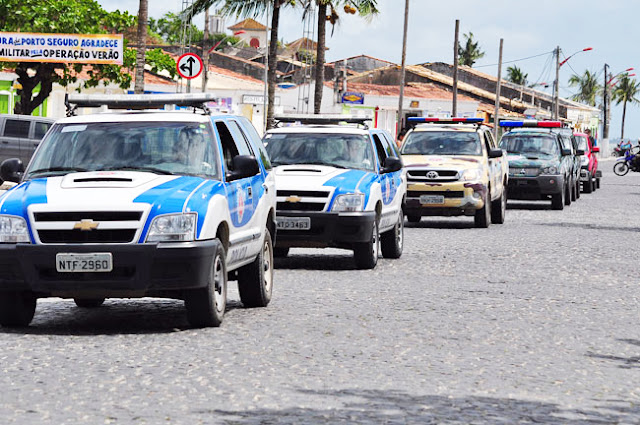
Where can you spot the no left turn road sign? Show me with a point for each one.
(189, 65)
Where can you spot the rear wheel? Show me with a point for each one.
(499, 208)
(280, 252)
(577, 189)
(413, 218)
(255, 280)
(17, 308)
(392, 241)
(206, 306)
(567, 194)
(365, 254)
(620, 168)
(482, 218)
(88, 302)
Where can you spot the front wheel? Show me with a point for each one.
(557, 200)
(88, 302)
(587, 185)
(482, 218)
(567, 194)
(365, 254)
(499, 208)
(620, 168)
(577, 189)
(413, 218)
(392, 242)
(255, 280)
(17, 308)
(206, 306)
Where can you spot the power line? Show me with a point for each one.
(516, 60)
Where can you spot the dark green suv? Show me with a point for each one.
(541, 162)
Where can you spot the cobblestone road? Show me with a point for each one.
(534, 321)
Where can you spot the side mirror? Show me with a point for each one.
(595, 149)
(580, 152)
(391, 165)
(495, 153)
(243, 166)
(565, 152)
(11, 170)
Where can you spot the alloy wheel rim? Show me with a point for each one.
(218, 285)
(267, 256)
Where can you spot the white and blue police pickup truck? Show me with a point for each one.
(337, 186)
(128, 204)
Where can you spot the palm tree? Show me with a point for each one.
(253, 8)
(143, 15)
(516, 76)
(365, 8)
(588, 87)
(471, 51)
(627, 90)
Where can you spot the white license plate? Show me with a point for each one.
(431, 199)
(294, 223)
(90, 262)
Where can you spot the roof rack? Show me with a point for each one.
(413, 121)
(321, 119)
(138, 101)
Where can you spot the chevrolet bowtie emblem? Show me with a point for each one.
(86, 225)
(293, 199)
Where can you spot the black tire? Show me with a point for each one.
(17, 308)
(392, 241)
(557, 200)
(620, 168)
(413, 218)
(588, 185)
(206, 306)
(88, 302)
(365, 254)
(482, 218)
(577, 189)
(280, 252)
(567, 194)
(255, 280)
(499, 208)
(598, 183)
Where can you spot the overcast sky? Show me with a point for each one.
(529, 29)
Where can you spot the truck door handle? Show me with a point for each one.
(5, 142)
(265, 187)
(249, 192)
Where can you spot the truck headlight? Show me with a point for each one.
(13, 229)
(473, 174)
(584, 161)
(549, 170)
(351, 202)
(172, 228)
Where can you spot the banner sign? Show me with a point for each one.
(353, 98)
(65, 48)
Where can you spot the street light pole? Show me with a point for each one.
(454, 106)
(605, 118)
(556, 84)
(402, 71)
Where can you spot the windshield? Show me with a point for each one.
(442, 143)
(336, 150)
(160, 147)
(530, 144)
(582, 143)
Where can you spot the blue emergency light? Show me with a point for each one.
(531, 123)
(455, 120)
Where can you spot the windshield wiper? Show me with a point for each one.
(323, 163)
(57, 169)
(136, 168)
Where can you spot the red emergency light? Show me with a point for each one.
(454, 120)
(531, 123)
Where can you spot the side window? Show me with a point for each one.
(40, 129)
(382, 154)
(229, 149)
(253, 134)
(240, 139)
(490, 139)
(16, 128)
(390, 146)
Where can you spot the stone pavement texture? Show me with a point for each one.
(533, 321)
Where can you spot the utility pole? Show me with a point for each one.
(605, 103)
(454, 105)
(556, 86)
(402, 71)
(143, 17)
(205, 51)
(496, 119)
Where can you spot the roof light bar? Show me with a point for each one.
(531, 123)
(139, 101)
(455, 120)
(321, 119)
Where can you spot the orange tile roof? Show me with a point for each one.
(419, 90)
(248, 24)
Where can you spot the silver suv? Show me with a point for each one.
(20, 135)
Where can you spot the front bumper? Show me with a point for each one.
(138, 270)
(328, 229)
(459, 198)
(532, 188)
(585, 174)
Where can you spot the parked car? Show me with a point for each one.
(541, 161)
(20, 135)
(337, 186)
(454, 167)
(139, 203)
(589, 174)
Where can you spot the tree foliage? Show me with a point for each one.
(626, 91)
(588, 87)
(170, 28)
(471, 51)
(516, 76)
(66, 17)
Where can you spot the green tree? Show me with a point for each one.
(626, 91)
(365, 8)
(67, 17)
(471, 52)
(588, 87)
(254, 8)
(169, 28)
(516, 76)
